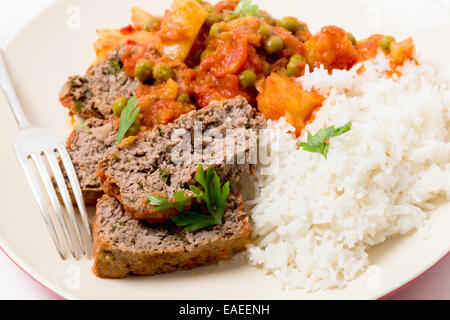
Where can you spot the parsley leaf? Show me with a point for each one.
(320, 141)
(127, 117)
(192, 221)
(213, 194)
(164, 204)
(246, 8)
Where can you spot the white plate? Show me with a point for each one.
(49, 49)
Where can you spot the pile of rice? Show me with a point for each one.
(315, 218)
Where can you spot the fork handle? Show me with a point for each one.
(8, 89)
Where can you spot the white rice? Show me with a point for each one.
(315, 218)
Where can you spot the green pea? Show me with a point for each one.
(143, 70)
(135, 127)
(293, 67)
(119, 104)
(273, 44)
(215, 30)
(351, 38)
(385, 43)
(212, 19)
(184, 98)
(162, 72)
(247, 78)
(290, 23)
(152, 24)
(265, 30)
(205, 53)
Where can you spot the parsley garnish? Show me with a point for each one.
(246, 8)
(320, 141)
(213, 194)
(127, 117)
(164, 204)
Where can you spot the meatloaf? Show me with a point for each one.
(87, 145)
(93, 94)
(153, 164)
(124, 246)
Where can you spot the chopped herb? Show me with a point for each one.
(165, 174)
(127, 159)
(89, 132)
(115, 156)
(246, 8)
(213, 194)
(140, 185)
(116, 66)
(320, 141)
(127, 117)
(81, 126)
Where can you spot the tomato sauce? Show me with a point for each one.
(234, 60)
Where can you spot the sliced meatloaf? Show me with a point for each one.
(93, 94)
(124, 246)
(155, 164)
(87, 146)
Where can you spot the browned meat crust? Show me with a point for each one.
(86, 147)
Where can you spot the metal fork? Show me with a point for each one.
(32, 145)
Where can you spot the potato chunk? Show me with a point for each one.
(402, 51)
(180, 26)
(283, 97)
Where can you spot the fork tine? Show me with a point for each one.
(70, 170)
(45, 177)
(35, 188)
(57, 173)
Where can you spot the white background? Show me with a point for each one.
(15, 284)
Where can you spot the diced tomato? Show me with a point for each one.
(158, 105)
(331, 48)
(130, 57)
(368, 48)
(292, 45)
(229, 57)
(226, 5)
(127, 30)
(207, 88)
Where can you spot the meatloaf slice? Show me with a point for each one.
(93, 94)
(87, 146)
(149, 167)
(124, 246)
